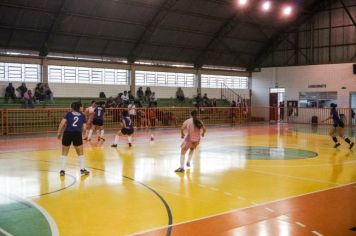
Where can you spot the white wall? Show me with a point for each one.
(86, 90)
(297, 79)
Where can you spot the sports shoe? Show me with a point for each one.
(336, 145)
(62, 173)
(84, 172)
(130, 145)
(114, 145)
(188, 164)
(181, 170)
(351, 145)
(102, 139)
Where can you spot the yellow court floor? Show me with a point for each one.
(135, 190)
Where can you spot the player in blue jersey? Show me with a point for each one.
(338, 127)
(72, 124)
(98, 121)
(126, 129)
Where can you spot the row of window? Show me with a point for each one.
(169, 79)
(20, 72)
(84, 75)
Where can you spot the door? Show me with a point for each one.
(273, 103)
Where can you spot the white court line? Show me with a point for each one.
(241, 198)
(4, 232)
(316, 233)
(300, 224)
(292, 177)
(227, 193)
(283, 217)
(311, 165)
(254, 203)
(214, 189)
(269, 209)
(244, 208)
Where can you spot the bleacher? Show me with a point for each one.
(64, 102)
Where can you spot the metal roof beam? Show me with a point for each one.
(114, 39)
(224, 29)
(150, 29)
(348, 12)
(45, 45)
(284, 33)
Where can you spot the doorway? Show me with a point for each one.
(277, 104)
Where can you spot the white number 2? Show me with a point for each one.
(76, 119)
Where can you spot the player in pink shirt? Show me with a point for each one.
(191, 141)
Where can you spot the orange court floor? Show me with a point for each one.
(263, 180)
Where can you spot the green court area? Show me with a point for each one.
(264, 153)
(21, 218)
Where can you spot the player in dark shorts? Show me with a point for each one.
(126, 129)
(338, 127)
(98, 121)
(72, 124)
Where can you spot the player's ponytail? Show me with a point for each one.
(197, 123)
(76, 106)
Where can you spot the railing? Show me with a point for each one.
(230, 95)
(46, 120)
(305, 115)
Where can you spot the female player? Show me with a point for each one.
(72, 122)
(191, 141)
(126, 129)
(98, 121)
(338, 127)
(89, 112)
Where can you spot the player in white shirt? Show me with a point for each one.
(89, 112)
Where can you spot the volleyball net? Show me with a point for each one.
(46, 120)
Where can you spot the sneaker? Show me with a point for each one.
(62, 173)
(351, 145)
(188, 164)
(336, 145)
(102, 139)
(181, 170)
(130, 145)
(84, 172)
(114, 145)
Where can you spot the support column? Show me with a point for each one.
(133, 79)
(44, 70)
(198, 75)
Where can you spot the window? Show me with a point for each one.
(166, 79)
(317, 99)
(20, 72)
(85, 75)
(215, 81)
(277, 90)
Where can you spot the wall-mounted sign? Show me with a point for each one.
(317, 86)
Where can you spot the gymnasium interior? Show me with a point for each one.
(262, 76)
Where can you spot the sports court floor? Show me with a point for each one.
(252, 180)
